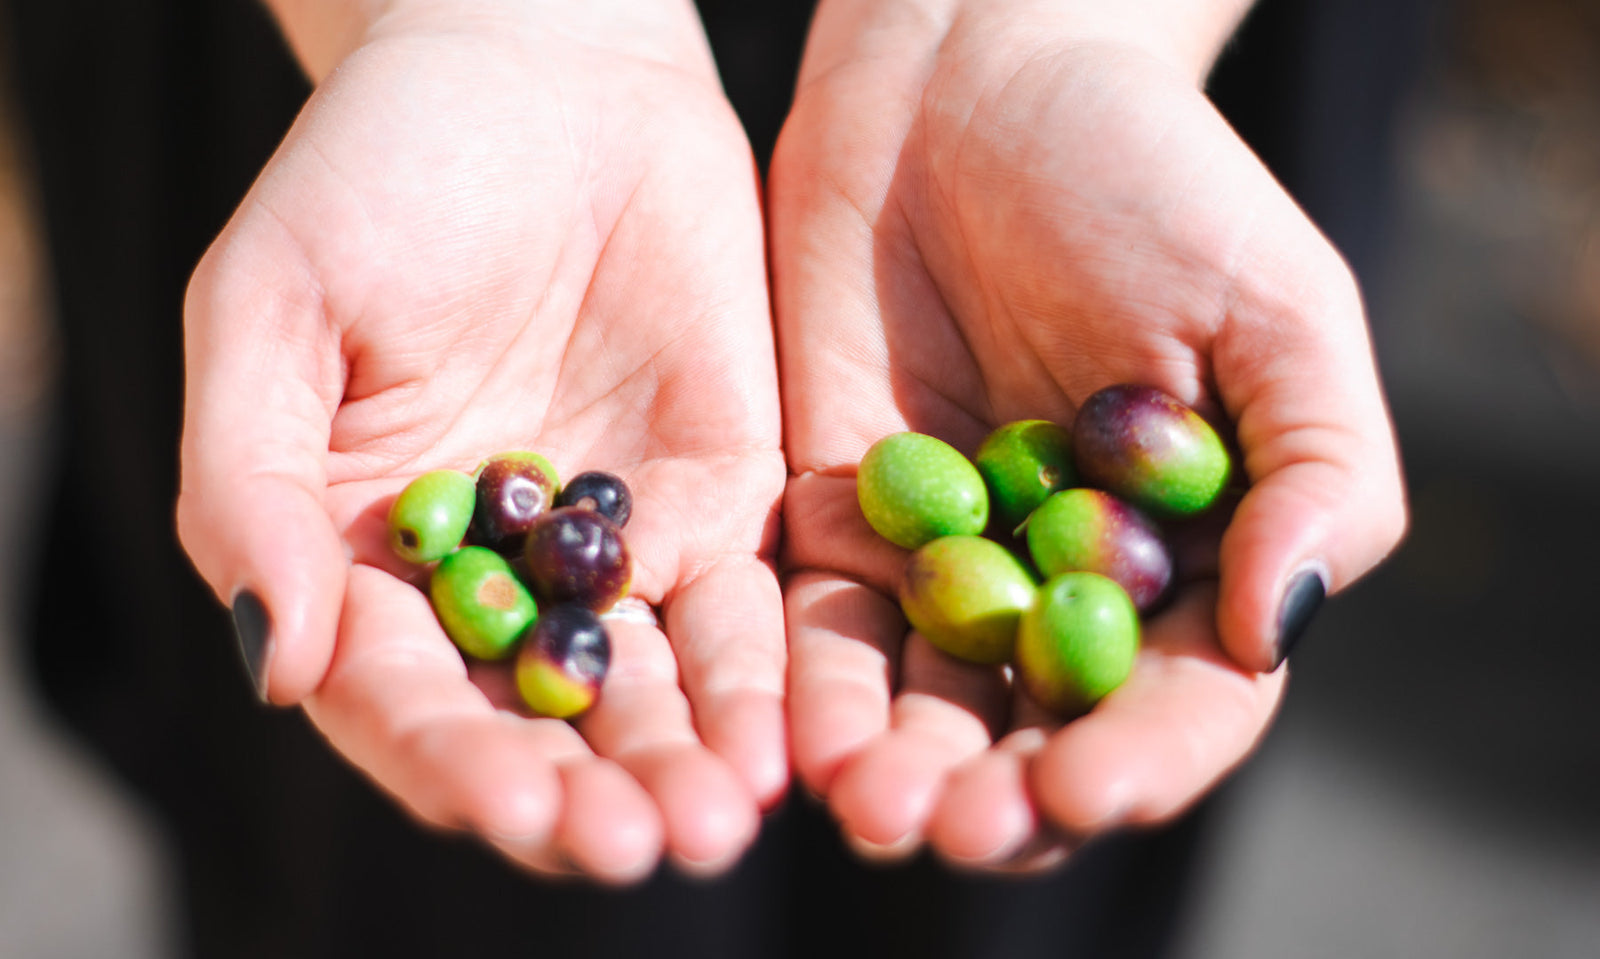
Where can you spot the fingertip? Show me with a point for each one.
(710, 818)
(829, 738)
(984, 815)
(1274, 556)
(276, 559)
(1078, 800)
(887, 793)
(611, 830)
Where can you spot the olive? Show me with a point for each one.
(430, 516)
(914, 488)
(1022, 464)
(513, 490)
(1091, 530)
(965, 595)
(1077, 642)
(563, 661)
(1150, 449)
(575, 555)
(603, 492)
(481, 604)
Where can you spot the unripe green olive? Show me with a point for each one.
(1022, 464)
(914, 488)
(965, 595)
(481, 604)
(431, 515)
(1077, 642)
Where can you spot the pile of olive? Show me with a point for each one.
(525, 566)
(1077, 510)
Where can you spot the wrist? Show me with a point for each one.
(1187, 35)
(322, 33)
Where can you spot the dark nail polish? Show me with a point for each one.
(253, 628)
(1300, 604)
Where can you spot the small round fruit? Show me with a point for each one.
(1090, 530)
(481, 604)
(578, 556)
(914, 488)
(430, 516)
(1023, 463)
(1149, 449)
(563, 662)
(965, 595)
(513, 490)
(603, 492)
(1077, 642)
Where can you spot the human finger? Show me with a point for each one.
(1326, 501)
(727, 629)
(644, 723)
(1185, 717)
(263, 378)
(944, 712)
(398, 703)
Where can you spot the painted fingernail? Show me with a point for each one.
(1301, 600)
(252, 625)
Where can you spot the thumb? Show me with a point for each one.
(263, 379)
(1326, 502)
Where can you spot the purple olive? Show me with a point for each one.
(1149, 449)
(603, 492)
(1092, 531)
(575, 555)
(513, 490)
(563, 662)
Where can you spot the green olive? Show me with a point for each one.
(1077, 642)
(1023, 463)
(481, 604)
(914, 488)
(431, 515)
(965, 595)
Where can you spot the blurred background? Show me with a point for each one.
(1432, 786)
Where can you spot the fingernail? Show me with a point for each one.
(885, 853)
(253, 627)
(705, 868)
(1301, 600)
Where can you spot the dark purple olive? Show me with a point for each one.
(603, 492)
(575, 555)
(563, 661)
(514, 489)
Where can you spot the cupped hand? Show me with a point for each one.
(506, 227)
(986, 212)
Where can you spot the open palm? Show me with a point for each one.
(480, 240)
(1006, 222)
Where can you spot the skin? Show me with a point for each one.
(979, 212)
(983, 212)
(504, 226)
